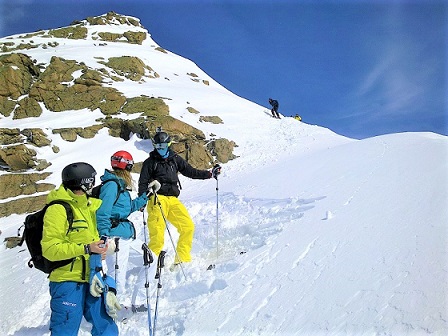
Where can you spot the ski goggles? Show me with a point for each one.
(122, 159)
(162, 145)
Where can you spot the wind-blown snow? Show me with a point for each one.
(318, 234)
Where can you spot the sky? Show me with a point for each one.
(333, 246)
(360, 68)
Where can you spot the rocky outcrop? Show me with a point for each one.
(28, 107)
(21, 158)
(222, 150)
(111, 18)
(211, 119)
(147, 106)
(17, 73)
(28, 88)
(36, 136)
(76, 32)
(12, 185)
(9, 136)
(22, 205)
(131, 67)
(86, 92)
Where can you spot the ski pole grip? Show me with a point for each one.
(161, 261)
(147, 256)
(117, 240)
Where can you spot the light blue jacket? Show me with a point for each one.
(117, 212)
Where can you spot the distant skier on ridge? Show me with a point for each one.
(274, 109)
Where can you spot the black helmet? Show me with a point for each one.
(79, 175)
(162, 137)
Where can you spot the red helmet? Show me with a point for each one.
(122, 160)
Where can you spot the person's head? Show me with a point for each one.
(270, 100)
(122, 160)
(122, 163)
(79, 176)
(162, 142)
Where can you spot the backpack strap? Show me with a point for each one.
(68, 210)
(120, 189)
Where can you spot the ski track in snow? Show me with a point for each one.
(245, 224)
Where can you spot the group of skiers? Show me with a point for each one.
(82, 287)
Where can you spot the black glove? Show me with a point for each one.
(216, 170)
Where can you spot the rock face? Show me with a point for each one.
(12, 185)
(28, 88)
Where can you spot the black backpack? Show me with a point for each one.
(96, 190)
(32, 235)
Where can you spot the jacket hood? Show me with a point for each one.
(108, 175)
(68, 196)
(64, 195)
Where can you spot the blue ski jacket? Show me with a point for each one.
(112, 216)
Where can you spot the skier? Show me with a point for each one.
(274, 109)
(113, 222)
(297, 117)
(72, 297)
(163, 165)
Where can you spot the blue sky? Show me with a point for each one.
(360, 68)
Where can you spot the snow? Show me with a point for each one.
(318, 234)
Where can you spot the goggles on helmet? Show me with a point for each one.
(129, 163)
(162, 145)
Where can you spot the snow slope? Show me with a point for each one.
(318, 234)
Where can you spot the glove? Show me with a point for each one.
(96, 278)
(112, 304)
(216, 171)
(110, 297)
(110, 246)
(153, 187)
(96, 285)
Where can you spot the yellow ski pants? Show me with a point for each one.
(176, 213)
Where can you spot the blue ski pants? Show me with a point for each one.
(70, 301)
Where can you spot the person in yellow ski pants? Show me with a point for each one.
(161, 169)
(176, 213)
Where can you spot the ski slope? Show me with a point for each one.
(311, 233)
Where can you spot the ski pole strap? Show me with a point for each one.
(117, 240)
(160, 264)
(147, 256)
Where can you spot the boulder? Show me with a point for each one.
(18, 157)
(23, 205)
(28, 107)
(9, 136)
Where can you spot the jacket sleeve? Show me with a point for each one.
(108, 195)
(187, 170)
(139, 202)
(54, 236)
(145, 177)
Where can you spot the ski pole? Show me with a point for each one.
(147, 260)
(217, 221)
(160, 265)
(212, 266)
(116, 239)
(156, 200)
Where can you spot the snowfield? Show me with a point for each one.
(311, 233)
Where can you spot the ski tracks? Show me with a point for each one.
(247, 231)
